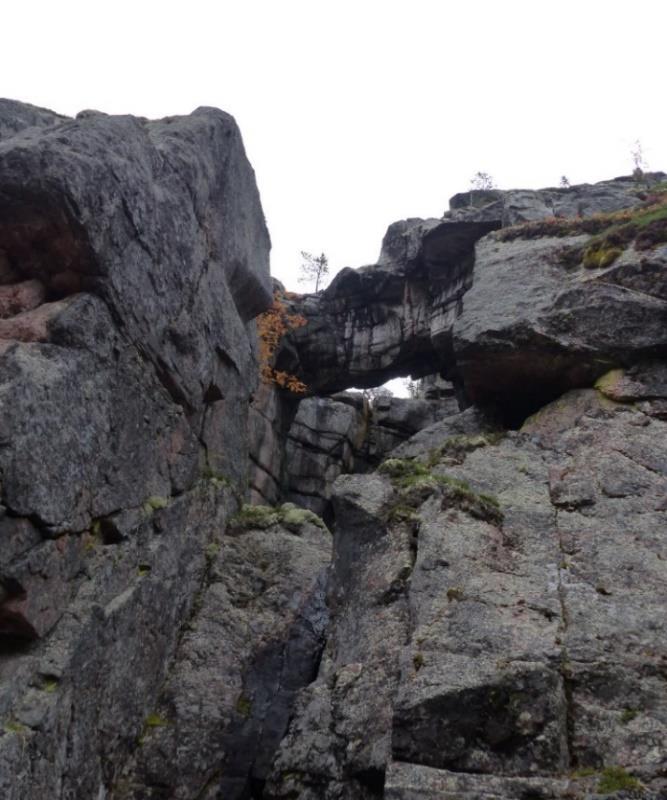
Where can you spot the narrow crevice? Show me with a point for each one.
(373, 780)
(565, 666)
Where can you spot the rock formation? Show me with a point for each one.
(495, 616)
(134, 256)
(329, 436)
(486, 618)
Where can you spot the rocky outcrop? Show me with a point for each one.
(517, 206)
(495, 627)
(439, 299)
(514, 317)
(487, 620)
(133, 256)
(389, 319)
(328, 437)
(559, 326)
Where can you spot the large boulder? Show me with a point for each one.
(133, 257)
(533, 326)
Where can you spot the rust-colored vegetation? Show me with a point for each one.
(644, 226)
(272, 325)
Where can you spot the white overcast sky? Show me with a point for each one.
(356, 114)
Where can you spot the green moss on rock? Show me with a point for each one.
(646, 225)
(415, 483)
(263, 517)
(244, 706)
(616, 779)
(248, 517)
(600, 256)
(155, 721)
(155, 503)
(584, 772)
(456, 448)
(12, 726)
(293, 517)
(609, 382)
(628, 714)
(404, 471)
(402, 513)
(645, 228)
(479, 505)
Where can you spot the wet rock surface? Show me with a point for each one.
(255, 640)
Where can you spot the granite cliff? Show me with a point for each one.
(483, 613)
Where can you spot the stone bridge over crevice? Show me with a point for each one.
(509, 321)
(390, 319)
(507, 318)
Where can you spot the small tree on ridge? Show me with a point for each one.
(482, 181)
(314, 268)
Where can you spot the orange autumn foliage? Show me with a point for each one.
(272, 325)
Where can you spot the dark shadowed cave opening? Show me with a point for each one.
(40, 241)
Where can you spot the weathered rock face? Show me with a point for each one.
(271, 414)
(495, 614)
(556, 327)
(324, 440)
(133, 255)
(328, 437)
(16, 117)
(255, 639)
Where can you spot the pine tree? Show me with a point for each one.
(314, 268)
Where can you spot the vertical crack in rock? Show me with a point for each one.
(564, 659)
(223, 710)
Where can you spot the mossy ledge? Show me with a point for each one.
(456, 448)
(644, 227)
(653, 208)
(415, 482)
(262, 517)
(616, 779)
